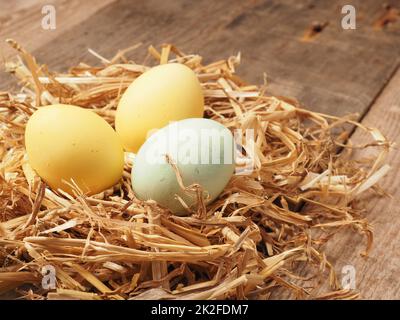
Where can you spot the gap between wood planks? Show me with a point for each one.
(377, 96)
(330, 74)
(257, 37)
(353, 131)
(376, 275)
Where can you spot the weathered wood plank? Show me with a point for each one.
(21, 20)
(339, 72)
(377, 275)
(186, 24)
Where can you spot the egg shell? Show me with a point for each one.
(65, 142)
(210, 164)
(165, 93)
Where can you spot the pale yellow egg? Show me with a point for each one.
(68, 144)
(165, 93)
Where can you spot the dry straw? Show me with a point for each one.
(250, 243)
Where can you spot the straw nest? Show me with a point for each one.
(247, 244)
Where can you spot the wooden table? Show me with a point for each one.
(334, 70)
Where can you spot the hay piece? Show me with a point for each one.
(244, 245)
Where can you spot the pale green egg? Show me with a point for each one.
(203, 151)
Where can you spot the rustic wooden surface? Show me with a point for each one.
(337, 71)
(378, 275)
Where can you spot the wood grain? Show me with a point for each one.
(338, 71)
(21, 20)
(377, 276)
(341, 71)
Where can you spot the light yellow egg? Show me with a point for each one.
(67, 143)
(165, 93)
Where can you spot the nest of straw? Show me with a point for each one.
(246, 245)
